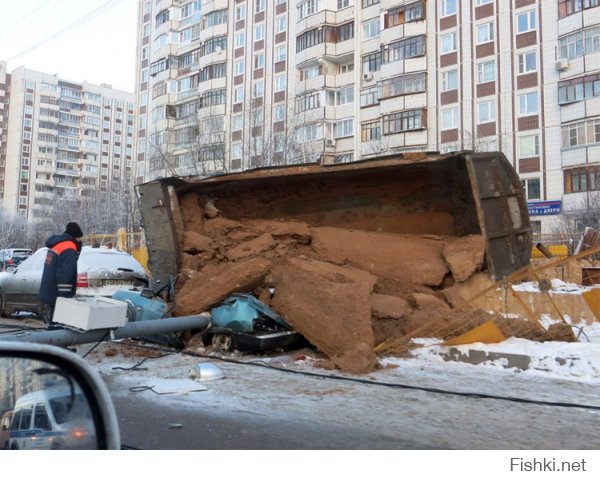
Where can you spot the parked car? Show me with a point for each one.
(59, 402)
(11, 257)
(101, 271)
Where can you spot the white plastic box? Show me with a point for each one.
(90, 313)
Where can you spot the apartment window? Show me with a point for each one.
(344, 3)
(579, 89)
(580, 43)
(258, 89)
(448, 7)
(486, 71)
(568, 7)
(402, 85)
(529, 146)
(527, 62)
(403, 121)
(308, 101)
(341, 96)
(280, 83)
(371, 62)
(307, 7)
(370, 131)
(582, 179)
(310, 39)
(236, 150)
(450, 118)
(483, 2)
(279, 113)
(215, 70)
(162, 17)
(409, 48)
(218, 17)
(368, 3)
(281, 23)
(259, 60)
(370, 29)
(528, 104)
(238, 95)
(343, 128)
(581, 133)
(259, 32)
(237, 122)
(240, 39)
(403, 14)
(239, 67)
(526, 21)
(532, 188)
(310, 72)
(344, 32)
(161, 41)
(260, 5)
(486, 112)
(369, 96)
(281, 53)
(485, 32)
(240, 12)
(449, 80)
(448, 42)
(258, 117)
(346, 68)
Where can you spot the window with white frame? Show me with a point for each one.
(527, 62)
(529, 146)
(344, 4)
(448, 42)
(486, 71)
(259, 60)
(449, 80)
(371, 29)
(238, 95)
(485, 32)
(258, 89)
(280, 83)
(343, 128)
(260, 6)
(240, 39)
(240, 12)
(281, 23)
(483, 2)
(259, 32)
(532, 188)
(447, 7)
(240, 66)
(486, 112)
(237, 122)
(528, 104)
(526, 21)
(236, 150)
(280, 53)
(450, 118)
(279, 113)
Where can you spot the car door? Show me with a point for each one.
(21, 288)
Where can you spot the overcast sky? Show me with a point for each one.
(78, 40)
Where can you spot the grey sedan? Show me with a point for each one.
(100, 271)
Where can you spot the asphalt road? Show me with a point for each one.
(254, 407)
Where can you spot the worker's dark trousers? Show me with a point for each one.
(48, 314)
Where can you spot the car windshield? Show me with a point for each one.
(67, 408)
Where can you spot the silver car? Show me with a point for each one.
(100, 271)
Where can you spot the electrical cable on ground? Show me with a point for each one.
(389, 385)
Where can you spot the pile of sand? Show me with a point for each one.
(345, 290)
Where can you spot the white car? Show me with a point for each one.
(100, 271)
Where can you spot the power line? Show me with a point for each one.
(36, 12)
(93, 14)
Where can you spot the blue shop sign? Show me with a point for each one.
(549, 207)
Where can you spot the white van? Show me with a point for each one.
(52, 419)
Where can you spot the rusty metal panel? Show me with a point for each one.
(502, 211)
(155, 202)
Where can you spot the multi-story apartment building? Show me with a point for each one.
(225, 85)
(65, 140)
(4, 98)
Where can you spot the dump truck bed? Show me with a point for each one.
(457, 194)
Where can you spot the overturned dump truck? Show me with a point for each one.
(334, 249)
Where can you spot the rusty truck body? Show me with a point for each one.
(416, 193)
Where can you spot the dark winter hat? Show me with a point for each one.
(74, 230)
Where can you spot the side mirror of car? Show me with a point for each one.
(38, 379)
